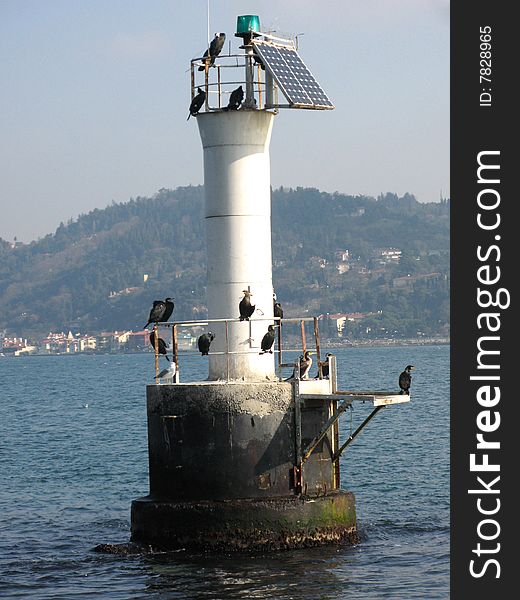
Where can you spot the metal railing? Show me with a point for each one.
(217, 85)
(279, 350)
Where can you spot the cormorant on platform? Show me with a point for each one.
(204, 342)
(305, 365)
(268, 340)
(217, 43)
(405, 380)
(197, 102)
(245, 307)
(156, 313)
(235, 99)
(325, 366)
(162, 345)
(305, 362)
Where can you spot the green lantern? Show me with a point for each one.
(246, 24)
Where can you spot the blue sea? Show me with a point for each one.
(73, 455)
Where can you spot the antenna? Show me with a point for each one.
(209, 39)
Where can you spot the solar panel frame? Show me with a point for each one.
(293, 77)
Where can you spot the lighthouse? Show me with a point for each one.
(248, 458)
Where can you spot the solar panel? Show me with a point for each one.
(292, 76)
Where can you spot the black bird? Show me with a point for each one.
(168, 310)
(197, 102)
(325, 366)
(305, 365)
(268, 341)
(278, 310)
(258, 61)
(405, 380)
(204, 342)
(156, 313)
(217, 43)
(235, 99)
(245, 307)
(162, 345)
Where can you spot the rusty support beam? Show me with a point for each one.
(357, 432)
(323, 432)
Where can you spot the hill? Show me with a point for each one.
(332, 253)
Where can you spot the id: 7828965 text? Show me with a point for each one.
(485, 65)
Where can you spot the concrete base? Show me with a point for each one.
(234, 525)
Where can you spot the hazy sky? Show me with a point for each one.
(94, 97)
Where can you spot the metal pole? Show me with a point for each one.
(219, 87)
(259, 72)
(280, 344)
(156, 349)
(176, 352)
(317, 339)
(227, 351)
(250, 93)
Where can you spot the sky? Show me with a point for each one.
(94, 97)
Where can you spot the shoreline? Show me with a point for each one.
(325, 344)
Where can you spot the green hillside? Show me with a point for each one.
(101, 271)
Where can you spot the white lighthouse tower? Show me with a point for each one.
(238, 231)
(238, 189)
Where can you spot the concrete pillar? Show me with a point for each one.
(238, 233)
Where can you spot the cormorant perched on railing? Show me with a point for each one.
(156, 312)
(168, 310)
(268, 341)
(162, 345)
(197, 102)
(245, 307)
(161, 311)
(204, 342)
(278, 310)
(405, 380)
(235, 99)
(217, 43)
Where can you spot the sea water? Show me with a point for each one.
(73, 455)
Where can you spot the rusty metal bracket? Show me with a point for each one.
(323, 432)
(357, 432)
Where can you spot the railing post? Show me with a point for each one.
(259, 72)
(206, 85)
(156, 348)
(280, 361)
(175, 350)
(219, 87)
(317, 341)
(227, 351)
